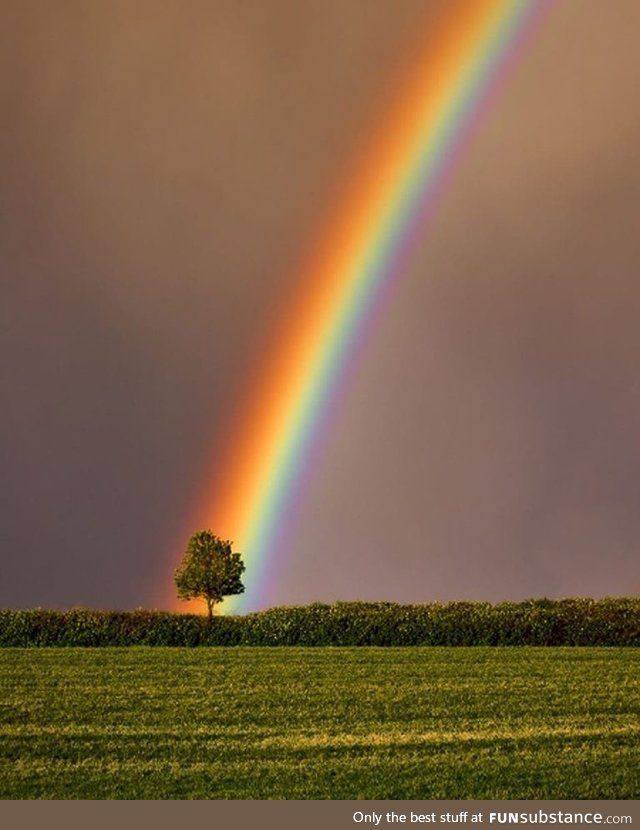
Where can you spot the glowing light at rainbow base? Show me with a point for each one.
(389, 195)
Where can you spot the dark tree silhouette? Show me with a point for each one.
(209, 569)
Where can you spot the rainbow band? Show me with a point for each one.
(356, 257)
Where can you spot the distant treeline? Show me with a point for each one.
(543, 622)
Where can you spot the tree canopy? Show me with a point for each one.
(209, 570)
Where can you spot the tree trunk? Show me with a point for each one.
(210, 609)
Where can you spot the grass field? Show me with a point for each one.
(320, 723)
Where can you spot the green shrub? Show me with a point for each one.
(565, 622)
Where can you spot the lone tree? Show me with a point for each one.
(209, 569)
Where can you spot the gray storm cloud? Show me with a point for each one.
(164, 169)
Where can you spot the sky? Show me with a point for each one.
(165, 166)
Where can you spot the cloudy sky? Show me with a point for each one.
(165, 164)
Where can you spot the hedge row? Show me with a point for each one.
(570, 622)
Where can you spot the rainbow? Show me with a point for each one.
(390, 195)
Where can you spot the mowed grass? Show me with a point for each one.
(320, 723)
